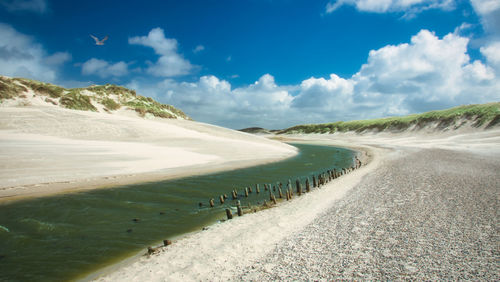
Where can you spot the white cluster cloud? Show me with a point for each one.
(170, 63)
(489, 11)
(492, 54)
(21, 56)
(427, 73)
(104, 69)
(382, 6)
(36, 6)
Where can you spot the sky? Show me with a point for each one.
(265, 63)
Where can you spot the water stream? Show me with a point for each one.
(68, 236)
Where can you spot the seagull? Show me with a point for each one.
(99, 42)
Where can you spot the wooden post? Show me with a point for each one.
(249, 189)
(270, 196)
(235, 195)
(280, 193)
(314, 181)
(289, 188)
(212, 202)
(225, 197)
(229, 214)
(240, 211)
(273, 199)
(257, 188)
(167, 242)
(265, 186)
(221, 199)
(274, 188)
(299, 187)
(246, 192)
(308, 187)
(280, 185)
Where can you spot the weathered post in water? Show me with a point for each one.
(240, 211)
(299, 187)
(229, 214)
(280, 193)
(308, 186)
(211, 202)
(235, 195)
(250, 189)
(257, 188)
(314, 182)
(246, 192)
(221, 199)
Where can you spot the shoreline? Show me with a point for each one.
(113, 181)
(49, 151)
(368, 157)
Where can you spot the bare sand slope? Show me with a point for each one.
(46, 150)
(425, 207)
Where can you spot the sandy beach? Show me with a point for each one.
(424, 207)
(48, 150)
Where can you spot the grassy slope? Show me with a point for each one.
(111, 97)
(479, 115)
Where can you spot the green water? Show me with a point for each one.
(69, 236)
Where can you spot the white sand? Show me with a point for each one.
(227, 250)
(47, 150)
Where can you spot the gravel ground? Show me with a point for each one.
(425, 215)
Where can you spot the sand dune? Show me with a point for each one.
(47, 150)
(356, 227)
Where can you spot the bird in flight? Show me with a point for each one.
(99, 42)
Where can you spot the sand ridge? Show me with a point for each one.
(47, 150)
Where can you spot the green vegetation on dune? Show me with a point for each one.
(41, 88)
(111, 97)
(479, 115)
(77, 101)
(143, 105)
(9, 89)
(110, 104)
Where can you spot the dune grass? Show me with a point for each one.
(42, 88)
(77, 101)
(110, 104)
(80, 99)
(479, 115)
(9, 89)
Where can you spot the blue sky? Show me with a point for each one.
(268, 63)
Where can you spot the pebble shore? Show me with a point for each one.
(427, 214)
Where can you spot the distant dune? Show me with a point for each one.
(483, 116)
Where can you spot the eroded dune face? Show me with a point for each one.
(60, 149)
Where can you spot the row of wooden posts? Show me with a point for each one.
(318, 181)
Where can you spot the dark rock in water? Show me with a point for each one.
(162, 213)
(204, 228)
(200, 204)
(136, 220)
(167, 242)
(129, 230)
